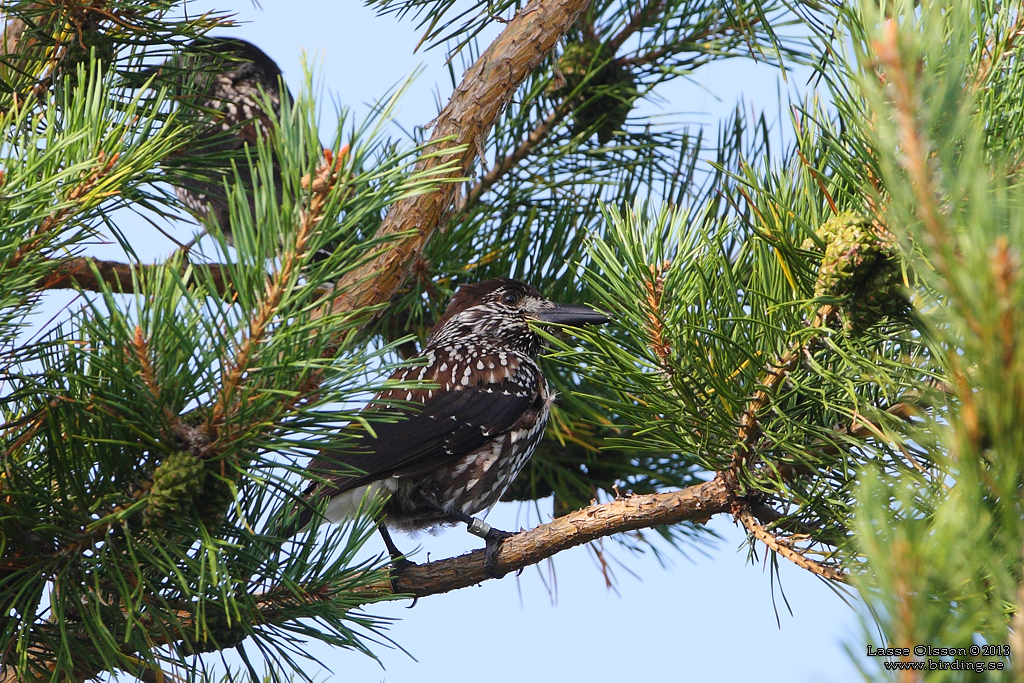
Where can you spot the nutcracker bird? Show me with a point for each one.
(225, 82)
(461, 440)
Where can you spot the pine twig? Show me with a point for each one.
(750, 434)
(696, 504)
(990, 58)
(636, 22)
(915, 149)
(536, 136)
(236, 367)
(77, 195)
(93, 275)
(750, 428)
(776, 545)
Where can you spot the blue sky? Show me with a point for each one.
(709, 617)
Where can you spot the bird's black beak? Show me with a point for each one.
(568, 314)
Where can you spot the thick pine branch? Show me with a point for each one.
(485, 90)
(695, 504)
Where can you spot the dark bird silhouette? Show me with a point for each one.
(462, 441)
(226, 82)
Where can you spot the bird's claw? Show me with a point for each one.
(493, 539)
(399, 565)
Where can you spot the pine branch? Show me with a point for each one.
(236, 366)
(636, 22)
(485, 90)
(92, 275)
(750, 430)
(750, 433)
(525, 148)
(995, 54)
(79, 194)
(693, 504)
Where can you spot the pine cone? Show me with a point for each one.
(605, 100)
(88, 34)
(176, 483)
(213, 503)
(861, 264)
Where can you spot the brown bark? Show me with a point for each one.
(485, 90)
(21, 51)
(693, 504)
(14, 29)
(118, 276)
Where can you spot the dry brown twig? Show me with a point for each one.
(777, 545)
(508, 163)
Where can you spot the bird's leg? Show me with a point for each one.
(397, 556)
(493, 538)
(398, 561)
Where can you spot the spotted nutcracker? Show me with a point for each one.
(227, 81)
(462, 441)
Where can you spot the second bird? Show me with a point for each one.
(226, 82)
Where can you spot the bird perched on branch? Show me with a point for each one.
(461, 440)
(226, 82)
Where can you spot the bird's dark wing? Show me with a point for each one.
(455, 420)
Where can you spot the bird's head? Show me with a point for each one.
(498, 313)
(230, 58)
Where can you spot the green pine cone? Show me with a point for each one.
(213, 503)
(605, 101)
(176, 483)
(610, 106)
(89, 34)
(862, 265)
(223, 636)
(881, 296)
(574, 64)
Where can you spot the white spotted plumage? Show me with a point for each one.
(476, 427)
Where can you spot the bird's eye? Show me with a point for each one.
(510, 298)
